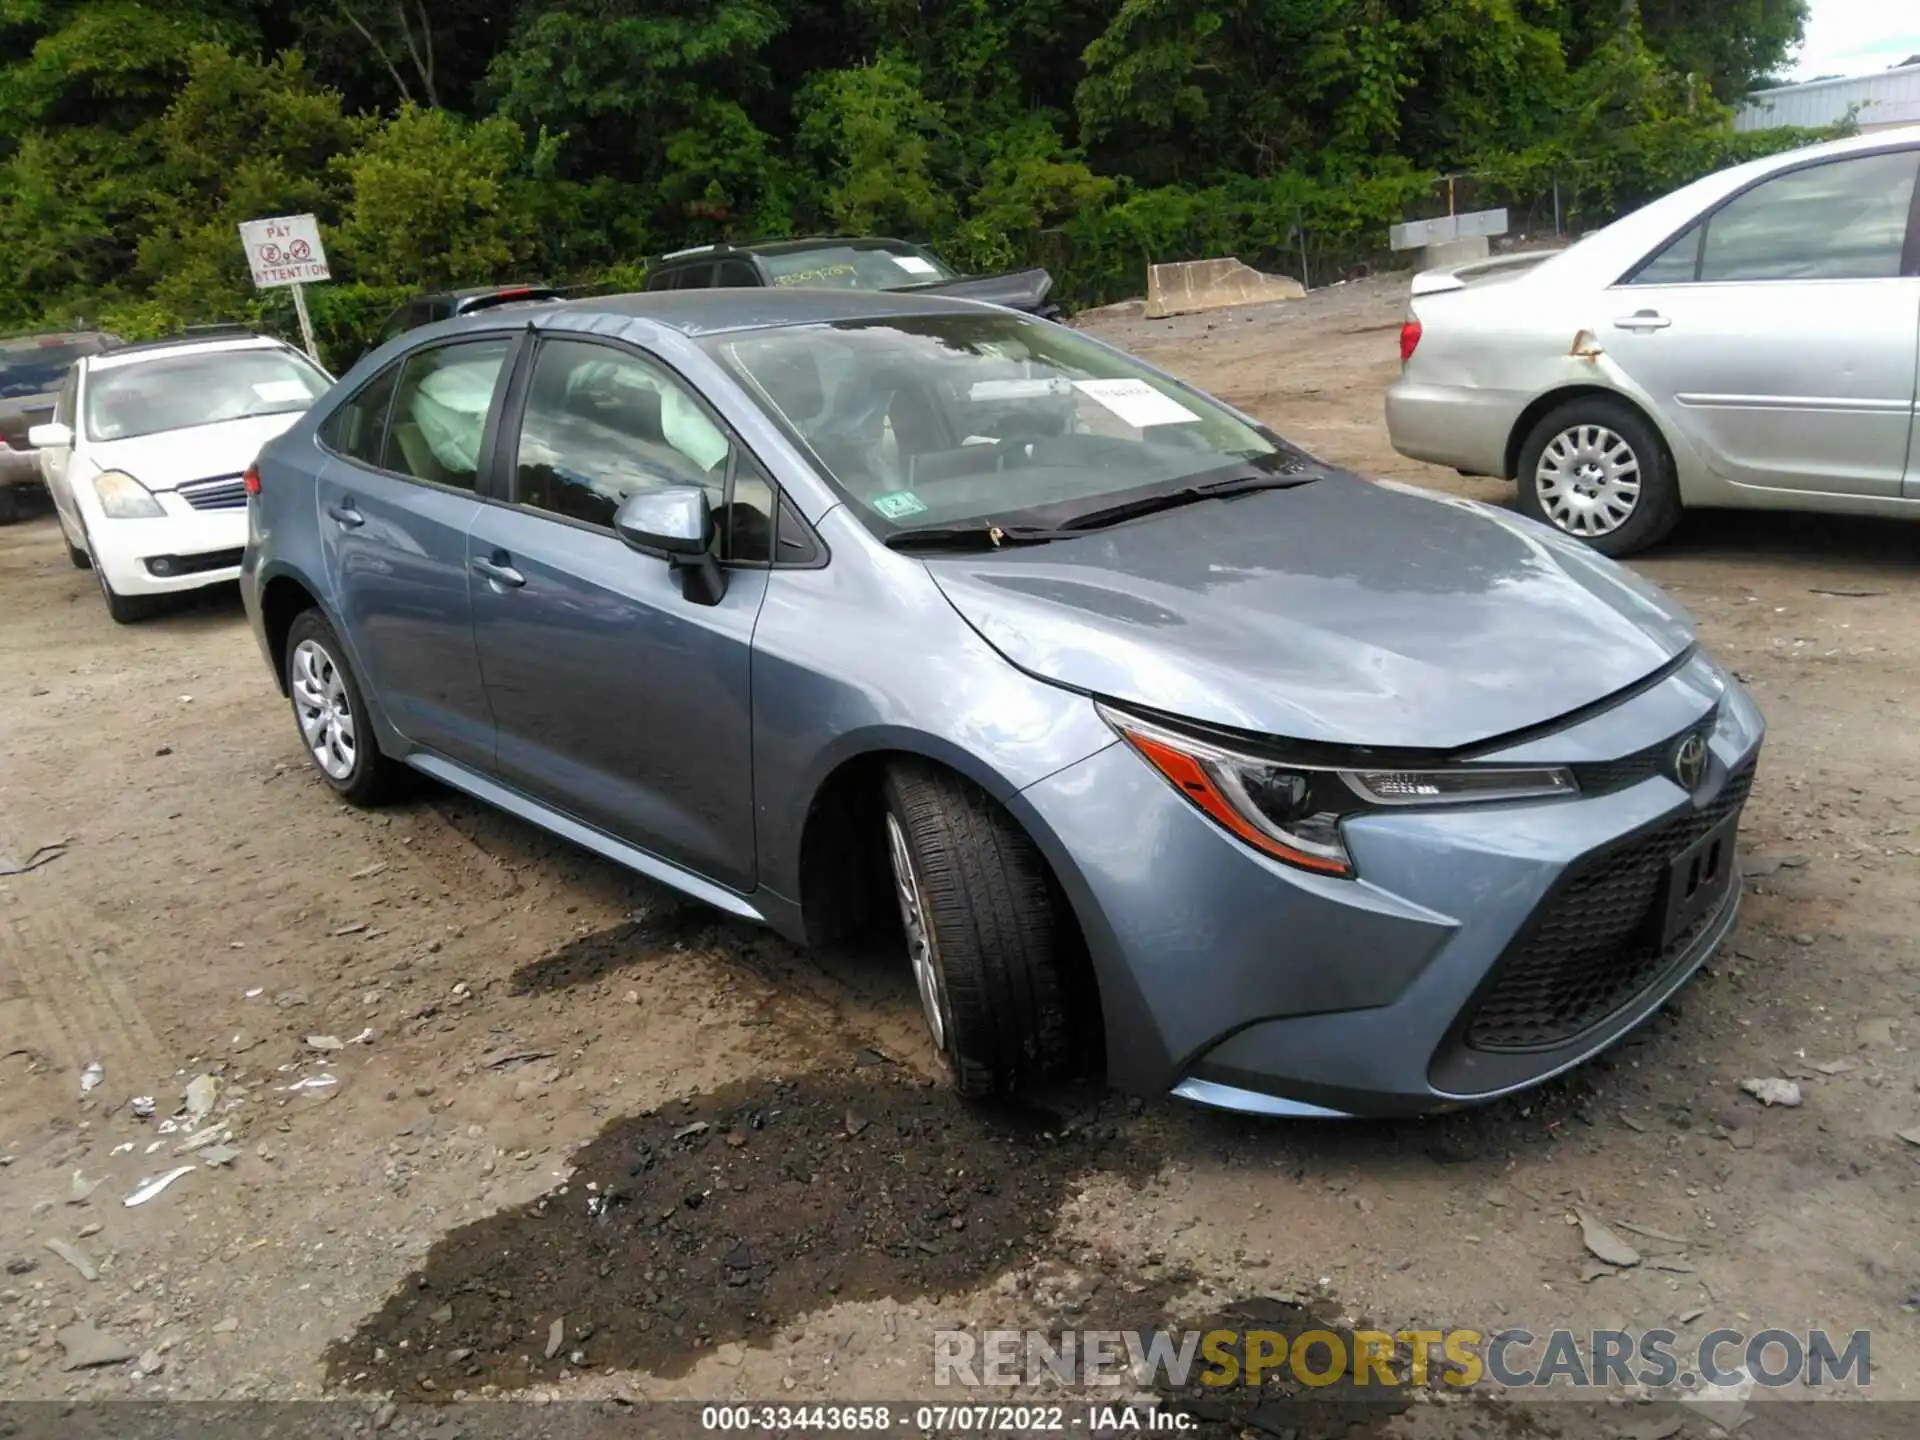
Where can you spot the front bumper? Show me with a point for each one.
(1466, 427)
(1466, 962)
(181, 550)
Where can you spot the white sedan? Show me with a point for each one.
(147, 452)
(1747, 341)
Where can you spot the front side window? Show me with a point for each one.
(440, 411)
(1842, 220)
(206, 387)
(855, 267)
(950, 419)
(602, 424)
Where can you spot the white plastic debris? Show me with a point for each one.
(365, 1037)
(203, 1093)
(313, 1082)
(91, 1077)
(142, 1107)
(147, 1189)
(255, 993)
(1773, 1090)
(121, 1149)
(326, 1042)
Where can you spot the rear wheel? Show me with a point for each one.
(9, 505)
(1594, 469)
(985, 933)
(332, 715)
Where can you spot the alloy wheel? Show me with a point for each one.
(1588, 480)
(920, 942)
(323, 708)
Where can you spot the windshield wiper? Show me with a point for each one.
(972, 536)
(1185, 495)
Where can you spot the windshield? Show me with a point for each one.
(176, 392)
(39, 368)
(946, 419)
(856, 267)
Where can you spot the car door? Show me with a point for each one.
(618, 699)
(396, 499)
(1779, 332)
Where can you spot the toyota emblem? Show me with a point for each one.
(1690, 762)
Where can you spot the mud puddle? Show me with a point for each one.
(725, 1216)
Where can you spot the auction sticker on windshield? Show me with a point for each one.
(914, 265)
(898, 504)
(1136, 403)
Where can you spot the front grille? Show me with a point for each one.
(1599, 777)
(1595, 947)
(227, 492)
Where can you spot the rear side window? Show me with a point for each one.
(440, 411)
(358, 429)
(1842, 220)
(738, 274)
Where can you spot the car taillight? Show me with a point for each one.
(252, 478)
(1409, 340)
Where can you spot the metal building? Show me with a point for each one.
(1891, 97)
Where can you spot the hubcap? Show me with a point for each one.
(321, 706)
(920, 947)
(1588, 480)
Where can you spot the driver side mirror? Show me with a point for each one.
(51, 436)
(676, 522)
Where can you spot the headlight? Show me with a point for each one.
(124, 498)
(1293, 811)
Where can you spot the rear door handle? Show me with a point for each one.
(346, 516)
(1642, 320)
(499, 572)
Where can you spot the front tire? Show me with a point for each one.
(125, 609)
(9, 505)
(76, 556)
(1596, 470)
(986, 933)
(331, 714)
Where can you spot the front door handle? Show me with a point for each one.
(1642, 320)
(499, 572)
(346, 516)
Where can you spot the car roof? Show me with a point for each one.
(784, 247)
(713, 312)
(184, 344)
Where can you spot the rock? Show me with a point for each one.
(687, 1132)
(76, 1257)
(1740, 1139)
(81, 1189)
(1803, 940)
(203, 1093)
(226, 1326)
(442, 1316)
(91, 1228)
(1836, 1067)
(633, 997)
(151, 1362)
(220, 1154)
(383, 1417)
(1912, 1137)
(1604, 1244)
(21, 1264)
(729, 1353)
(326, 1042)
(556, 1336)
(287, 999)
(87, 1347)
(856, 1122)
(1773, 1091)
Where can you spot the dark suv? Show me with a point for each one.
(841, 263)
(434, 305)
(32, 370)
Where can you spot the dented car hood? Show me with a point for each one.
(1341, 611)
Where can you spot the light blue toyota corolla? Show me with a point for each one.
(1154, 743)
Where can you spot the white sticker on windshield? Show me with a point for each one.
(914, 265)
(1137, 403)
(278, 392)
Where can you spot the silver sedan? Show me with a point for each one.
(1747, 341)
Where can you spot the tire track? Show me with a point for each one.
(80, 1005)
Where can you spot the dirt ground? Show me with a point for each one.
(499, 1119)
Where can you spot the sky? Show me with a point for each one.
(1854, 37)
